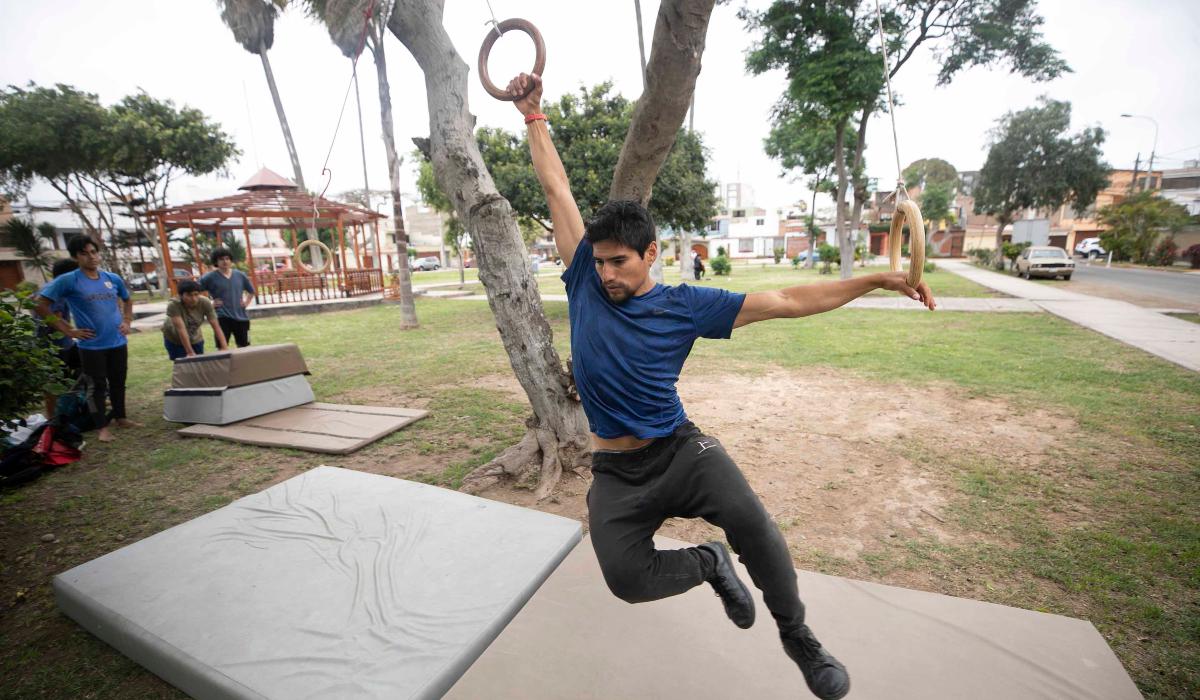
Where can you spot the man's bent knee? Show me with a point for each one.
(628, 583)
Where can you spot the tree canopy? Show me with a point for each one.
(1136, 223)
(589, 129)
(1033, 163)
(930, 171)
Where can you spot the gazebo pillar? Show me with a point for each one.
(250, 254)
(341, 231)
(354, 238)
(378, 250)
(166, 256)
(195, 248)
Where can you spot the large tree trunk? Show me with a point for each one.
(1000, 224)
(557, 436)
(670, 77)
(846, 253)
(860, 185)
(687, 271)
(408, 311)
(310, 233)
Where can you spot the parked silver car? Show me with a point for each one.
(1045, 261)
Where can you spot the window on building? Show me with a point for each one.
(760, 222)
(714, 226)
(745, 245)
(739, 213)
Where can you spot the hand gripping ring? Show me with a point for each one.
(539, 63)
(907, 211)
(326, 254)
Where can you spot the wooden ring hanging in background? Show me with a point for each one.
(327, 254)
(907, 211)
(539, 62)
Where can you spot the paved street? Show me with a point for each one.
(1141, 287)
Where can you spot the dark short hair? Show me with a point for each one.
(62, 267)
(218, 253)
(78, 244)
(187, 286)
(625, 221)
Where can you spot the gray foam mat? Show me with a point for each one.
(576, 640)
(332, 584)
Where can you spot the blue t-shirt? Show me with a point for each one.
(229, 291)
(93, 304)
(627, 356)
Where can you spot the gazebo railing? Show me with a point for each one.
(288, 286)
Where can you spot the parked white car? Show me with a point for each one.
(1090, 248)
(1045, 261)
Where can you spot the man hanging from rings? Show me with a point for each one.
(629, 339)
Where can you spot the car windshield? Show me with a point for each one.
(1049, 254)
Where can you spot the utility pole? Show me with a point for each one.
(1150, 172)
(1133, 181)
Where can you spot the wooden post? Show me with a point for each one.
(195, 248)
(250, 255)
(378, 250)
(354, 239)
(341, 232)
(166, 253)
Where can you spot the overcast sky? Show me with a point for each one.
(1138, 56)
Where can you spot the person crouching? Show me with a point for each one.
(182, 334)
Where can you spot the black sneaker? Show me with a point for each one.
(825, 675)
(739, 606)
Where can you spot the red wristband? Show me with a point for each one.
(530, 118)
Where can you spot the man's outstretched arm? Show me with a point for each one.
(564, 213)
(806, 300)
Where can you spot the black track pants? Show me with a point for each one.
(686, 475)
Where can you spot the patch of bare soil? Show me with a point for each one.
(827, 454)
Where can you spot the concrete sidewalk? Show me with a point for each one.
(1172, 339)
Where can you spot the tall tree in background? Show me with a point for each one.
(253, 25)
(1135, 224)
(557, 438)
(802, 143)
(930, 171)
(962, 33)
(1033, 163)
(353, 24)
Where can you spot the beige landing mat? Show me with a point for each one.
(315, 427)
(574, 640)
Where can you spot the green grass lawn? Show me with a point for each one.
(1110, 533)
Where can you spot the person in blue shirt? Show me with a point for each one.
(629, 339)
(102, 311)
(231, 292)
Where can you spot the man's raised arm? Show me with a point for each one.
(809, 299)
(564, 213)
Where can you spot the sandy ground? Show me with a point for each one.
(827, 454)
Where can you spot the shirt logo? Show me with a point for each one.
(108, 284)
(704, 445)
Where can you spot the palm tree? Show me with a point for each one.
(351, 24)
(253, 25)
(49, 232)
(22, 236)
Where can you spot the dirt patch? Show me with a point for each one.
(831, 455)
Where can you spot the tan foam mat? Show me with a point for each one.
(575, 640)
(315, 427)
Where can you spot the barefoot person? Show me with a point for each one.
(102, 310)
(231, 292)
(629, 339)
(182, 334)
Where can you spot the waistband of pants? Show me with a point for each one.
(626, 461)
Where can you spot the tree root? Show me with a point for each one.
(540, 457)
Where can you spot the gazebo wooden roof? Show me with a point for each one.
(268, 201)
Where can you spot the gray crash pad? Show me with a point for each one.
(332, 584)
(576, 640)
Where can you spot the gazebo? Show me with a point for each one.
(268, 201)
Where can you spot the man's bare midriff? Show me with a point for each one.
(620, 444)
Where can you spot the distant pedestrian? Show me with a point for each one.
(698, 265)
(103, 311)
(231, 293)
(182, 334)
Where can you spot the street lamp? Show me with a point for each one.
(1150, 172)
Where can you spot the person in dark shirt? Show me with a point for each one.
(629, 339)
(102, 310)
(231, 292)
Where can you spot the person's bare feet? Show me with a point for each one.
(126, 423)
(105, 435)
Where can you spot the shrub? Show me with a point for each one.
(669, 261)
(720, 264)
(1012, 251)
(1193, 256)
(1164, 253)
(29, 365)
(796, 261)
(829, 255)
(930, 266)
(980, 256)
(778, 254)
(720, 251)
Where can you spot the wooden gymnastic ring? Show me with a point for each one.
(539, 62)
(907, 211)
(327, 254)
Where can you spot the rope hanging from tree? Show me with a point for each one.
(497, 31)
(907, 210)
